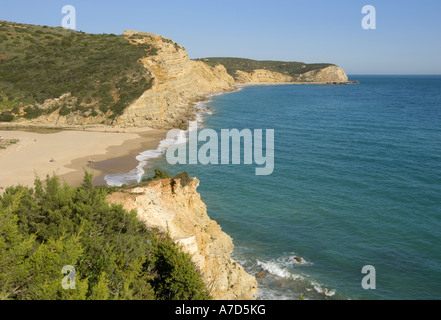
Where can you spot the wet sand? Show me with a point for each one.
(120, 159)
(71, 150)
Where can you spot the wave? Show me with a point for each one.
(118, 179)
(285, 277)
(135, 175)
(319, 289)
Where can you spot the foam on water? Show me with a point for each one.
(136, 174)
(286, 268)
(285, 277)
(181, 137)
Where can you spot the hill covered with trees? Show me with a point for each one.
(102, 72)
(45, 228)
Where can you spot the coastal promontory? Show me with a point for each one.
(175, 207)
(58, 78)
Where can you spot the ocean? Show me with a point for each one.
(356, 182)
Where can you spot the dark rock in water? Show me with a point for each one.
(299, 260)
(260, 275)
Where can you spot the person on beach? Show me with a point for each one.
(52, 160)
(92, 162)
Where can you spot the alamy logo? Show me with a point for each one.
(230, 144)
(69, 20)
(369, 281)
(68, 282)
(369, 21)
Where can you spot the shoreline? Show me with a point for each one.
(71, 151)
(252, 84)
(112, 156)
(117, 159)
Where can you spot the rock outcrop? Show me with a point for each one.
(174, 206)
(331, 74)
(328, 75)
(179, 82)
(261, 76)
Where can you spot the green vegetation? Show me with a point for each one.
(101, 71)
(5, 143)
(292, 69)
(177, 46)
(51, 225)
(159, 174)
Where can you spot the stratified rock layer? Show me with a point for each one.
(328, 75)
(179, 82)
(175, 206)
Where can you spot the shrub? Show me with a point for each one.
(185, 178)
(51, 225)
(177, 277)
(33, 112)
(64, 111)
(159, 174)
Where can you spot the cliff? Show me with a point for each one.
(248, 71)
(136, 80)
(133, 80)
(328, 75)
(331, 74)
(178, 83)
(175, 206)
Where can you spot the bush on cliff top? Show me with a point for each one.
(50, 226)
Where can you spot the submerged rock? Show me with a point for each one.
(299, 260)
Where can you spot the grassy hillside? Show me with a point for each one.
(101, 71)
(289, 68)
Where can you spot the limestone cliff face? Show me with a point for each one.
(178, 83)
(328, 75)
(176, 206)
(261, 76)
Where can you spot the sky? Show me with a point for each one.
(407, 38)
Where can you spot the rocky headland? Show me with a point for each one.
(177, 84)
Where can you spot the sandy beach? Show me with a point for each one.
(68, 154)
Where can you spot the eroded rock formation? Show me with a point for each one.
(175, 206)
(179, 82)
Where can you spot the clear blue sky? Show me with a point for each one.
(407, 39)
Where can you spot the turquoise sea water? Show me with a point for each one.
(357, 181)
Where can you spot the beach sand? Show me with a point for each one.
(71, 150)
